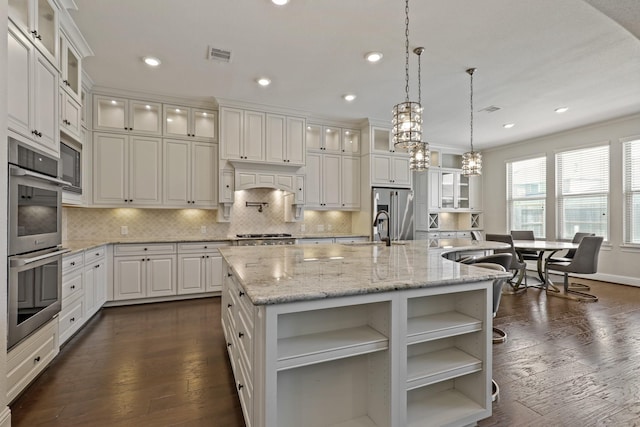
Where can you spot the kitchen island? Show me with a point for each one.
(359, 335)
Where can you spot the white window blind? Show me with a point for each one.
(632, 191)
(526, 195)
(582, 179)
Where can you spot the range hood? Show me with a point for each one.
(251, 175)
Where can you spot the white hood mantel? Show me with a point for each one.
(253, 175)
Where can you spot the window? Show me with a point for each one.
(526, 195)
(582, 179)
(632, 191)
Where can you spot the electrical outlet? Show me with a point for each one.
(302, 228)
(320, 227)
(203, 229)
(124, 230)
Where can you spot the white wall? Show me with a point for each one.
(617, 263)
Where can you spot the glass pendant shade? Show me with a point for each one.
(407, 124)
(472, 163)
(420, 157)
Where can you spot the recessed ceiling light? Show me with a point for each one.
(349, 97)
(373, 56)
(508, 125)
(561, 109)
(263, 81)
(148, 107)
(151, 61)
(279, 2)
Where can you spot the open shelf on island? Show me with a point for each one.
(441, 409)
(440, 325)
(436, 366)
(303, 350)
(358, 422)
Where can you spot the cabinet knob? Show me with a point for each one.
(240, 386)
(240, 294)
(65, 82)
(37, 359)
(240, 334)
(148, 259)
(96, 266)
(72, 287)
(229, 305)
(34, 32)
(227, 185)
(228, 344)
(202, 256)
(73, 319)
(73, 263)
(146, 249)
(39, 37)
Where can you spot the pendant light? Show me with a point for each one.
(407, 116)
(420, 155)
(471, 160)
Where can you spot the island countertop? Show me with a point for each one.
(282, 274)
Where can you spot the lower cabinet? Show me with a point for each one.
(199, 267)
(144, 275)
(408, 358)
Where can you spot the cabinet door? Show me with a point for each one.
(46, 24)
(231, 127)
(434, 190)
(145, 169)
(332, 139)
(176, 121)
(191, 274)
(129, 275)
(90, 297)
(351, 141)
(70, 115)
(381, 170)
(110, 171)
(45, 104)
(19, 70)
(300, 190)
(254, 139)
(313, 134)
(350, 182)
(204, 172)
(176, 174)
(110, 113)
(447, 189)
(314, 184)
(214, 273)
(70, 67)
(382, 140)
(401, 171)
(161, 275)
(420, 201)
(100, 281)
(205, 124)
(226, 187)
(276, 138)
(144, 117)
(475, 193)
(462, 191)
(331, 180)
(295, 148)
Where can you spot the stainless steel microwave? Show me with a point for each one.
(71, 167)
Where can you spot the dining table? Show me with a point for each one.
(542, 246)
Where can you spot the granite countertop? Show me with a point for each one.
(281, 274)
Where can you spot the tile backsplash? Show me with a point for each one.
(102, 223)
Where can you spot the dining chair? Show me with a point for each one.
(528, 254)
(518, 267)
(577, 238)
(500, 262)
(585, 261)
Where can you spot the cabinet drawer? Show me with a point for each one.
(71, 318)
(91, 255)
(245, 340)
(138, 249)
(71, 262)
(318, 241)
(201, 247)
(463, 234)
(447, 234)
(29, 358)
(72, 286)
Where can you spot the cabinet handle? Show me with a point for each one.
(72, 263)
(72, 287)
(240, 294)
(205, 247)
(240, 334)
(240, 386)
(229, 305)
(66, 83)
(229, 274)
(39, 37)
(73, 319)
(126, 128)
(145, 249)
(34, 32)
(96, 266)
(37, 359)
(228, 344)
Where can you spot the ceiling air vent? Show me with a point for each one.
(491, 109)
(221, 55)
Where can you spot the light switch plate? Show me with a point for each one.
(124, 230)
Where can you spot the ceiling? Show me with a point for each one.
(531, 57)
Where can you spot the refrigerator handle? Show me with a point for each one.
(394, 219)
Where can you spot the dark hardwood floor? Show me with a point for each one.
(565, 363)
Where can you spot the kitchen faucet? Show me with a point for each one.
(387, 239)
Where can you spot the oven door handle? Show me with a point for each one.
(19, 262)
(16, 171)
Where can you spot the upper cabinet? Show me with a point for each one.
(189, 122)
(326, 139)
(70, 68)
(126, 115)
(285, 139)
(38, 20)
(32, 94)
(242, 135)
(351, 142)
(382, 140)
(390, 171)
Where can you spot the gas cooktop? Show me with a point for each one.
(262, 236)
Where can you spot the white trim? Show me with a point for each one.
(527, 157)
(606, 142)
(628, 139)
(613, 278)
(630, 247)
(5, 417)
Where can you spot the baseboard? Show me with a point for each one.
(5, 417)
(161, 299)
(613, 278)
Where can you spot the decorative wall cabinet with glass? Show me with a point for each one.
(189, 122)
(70, 68)
(414, 358)
(115, 114)
(33, 98)
(38, 20)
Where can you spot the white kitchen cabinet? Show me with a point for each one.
(190, 122)
(70, 112)
(242, 135)
(435, 188)
(390, 170)
(33, 98)
(127, 170)
(420, 202)
(382, 140)
(454, 190)
(199, 267)
(116, 114)
(144, 276)
(38, 20)
(190, 173)
(351, 142)
(350, 182)
(285, 140)
(475, 193)
(326, 139)
(323, 181)
(70, 68)
(227, 190)
(95, 280)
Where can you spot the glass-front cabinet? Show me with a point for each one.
(324, 138)
(70, 68)
(454, 190)
(190, 122)
(38, 19)
(351, 141)
(125, 115)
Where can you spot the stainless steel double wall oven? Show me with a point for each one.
(34, 240)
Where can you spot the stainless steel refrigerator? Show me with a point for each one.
(398, 202)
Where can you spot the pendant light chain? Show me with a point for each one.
(419, 51)
(406, 45)
(470, 71)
